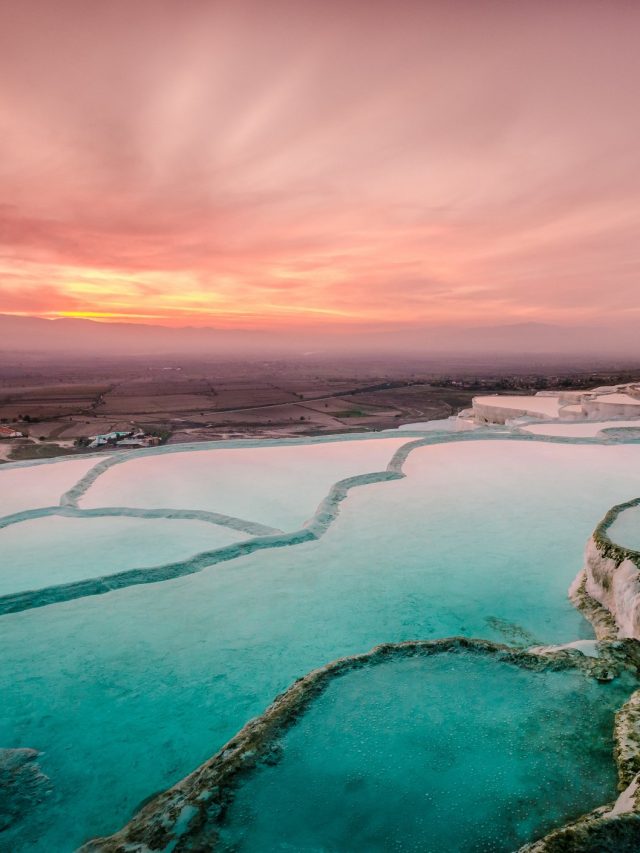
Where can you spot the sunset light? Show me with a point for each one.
(204, 164)
(320, 426)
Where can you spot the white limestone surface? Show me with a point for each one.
(619, 399)
(587, 647)
(626, 802)
(24, 487)
(292, 481)
(616, 587)
(447, 424)
(612, 405)
(590, 429)
(452, 424)
(514, 405)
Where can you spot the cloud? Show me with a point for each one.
(380, 163)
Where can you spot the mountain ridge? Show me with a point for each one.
(72, 335)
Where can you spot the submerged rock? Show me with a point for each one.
(22, 784)
(514, 634)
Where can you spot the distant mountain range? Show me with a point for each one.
(70, 336)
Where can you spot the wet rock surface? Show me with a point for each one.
(189, 816)
(22, 785)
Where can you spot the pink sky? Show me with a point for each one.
(320, 164)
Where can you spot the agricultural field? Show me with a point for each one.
(203, 402)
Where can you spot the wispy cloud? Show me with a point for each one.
(242, 162)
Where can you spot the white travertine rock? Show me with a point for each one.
(497, 408)
(616, 587)
(626, 802)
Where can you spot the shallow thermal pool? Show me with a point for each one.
(625, 530)
(275, 484)
(24, 487)
(455, 753)
(588, 429)
(125, 693)
(56, 550)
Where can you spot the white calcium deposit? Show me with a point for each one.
(616, 587)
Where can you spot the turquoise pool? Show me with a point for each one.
(126, 692)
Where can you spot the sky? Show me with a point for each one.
(326, 165)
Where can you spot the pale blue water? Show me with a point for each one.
(24, 487)
(70, 549)
(278, 484)
(450, 753)
(625, 530)
(127, 692)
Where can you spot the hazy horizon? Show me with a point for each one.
(390, 176)
(84, 336)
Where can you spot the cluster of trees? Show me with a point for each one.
(27, 419)
(534, 383)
